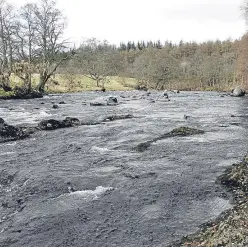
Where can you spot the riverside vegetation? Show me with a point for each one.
(36, 58)
(230, 228)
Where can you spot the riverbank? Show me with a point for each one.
(70, 83)
(230, 228)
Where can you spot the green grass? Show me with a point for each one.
(3, 93)
(80, 83)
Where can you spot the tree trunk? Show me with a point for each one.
(98, 81)
(4, 46)
(42, 81)
(29, 84)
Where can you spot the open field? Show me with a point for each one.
(62, 83)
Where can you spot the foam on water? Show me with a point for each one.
(24, 116)
(6, 153)
(10, 144)
(94, 193)
(99, 149)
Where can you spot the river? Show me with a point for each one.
(86, 186)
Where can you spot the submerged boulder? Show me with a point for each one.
(238, 92)
(181, 131)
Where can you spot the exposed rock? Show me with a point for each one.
(165, 94)
(103, 101)
(62, 103)
(50, 124)
(55, 106)
(53, 124)
(97, 104)
(183, 131)
(11, 133)
(112, 100)
(238, 92)
(69, 122)
(117, 117)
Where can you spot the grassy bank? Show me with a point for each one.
(231, 227)
(66, 83)
(78, 83)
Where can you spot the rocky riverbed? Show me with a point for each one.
(94, 183)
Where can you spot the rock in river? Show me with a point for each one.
(112, 100)
(9, 132)
(55, 106)
(53, 124)
(238, 92)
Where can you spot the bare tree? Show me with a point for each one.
(49, 25)
(24, 72)
(98, 60)
(156, 69)
(7, 30)
(26, 33)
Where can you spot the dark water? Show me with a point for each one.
(122, 197)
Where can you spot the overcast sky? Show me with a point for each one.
(116, 20)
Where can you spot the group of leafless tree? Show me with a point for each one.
(210, 65)
(32, 42)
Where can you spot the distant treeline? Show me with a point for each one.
(32, 41)
(212, 65)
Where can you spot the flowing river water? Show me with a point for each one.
(86, 186)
